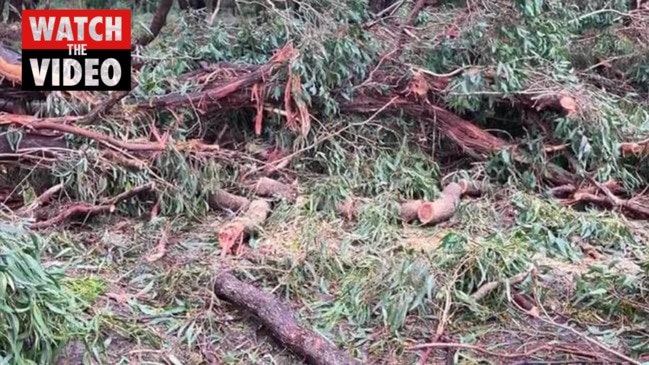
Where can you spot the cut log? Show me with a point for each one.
(443, 208)
(280, 320)
(221, 199)
(631, 206)
(409, 210)
(271, 188)
(426, 212)
(559, 102)
(235, 232)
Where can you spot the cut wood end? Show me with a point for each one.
(569, 104)
(230, 236)
(426, 212)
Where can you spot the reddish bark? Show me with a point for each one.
(280, 320)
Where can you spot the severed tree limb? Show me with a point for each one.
(73, 211)
(233, 233)
(84, 209)
(629, 205)
(271, 188)
(408, 210)
(426, 212)
(280, 320)
(443, 208)
(224, 89)
(104, 107)
(221, 199)
(10, 64)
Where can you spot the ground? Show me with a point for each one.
(376, 298)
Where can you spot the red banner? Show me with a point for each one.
(60, 29)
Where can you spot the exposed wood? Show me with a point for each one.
(10, 65)
(443, 208)
(634, 148)
(632, 206)
(233, 234)
(280, 320)
(426, 212)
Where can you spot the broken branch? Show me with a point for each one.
(280, 320)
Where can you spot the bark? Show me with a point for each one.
(221, 199)
(235, 232)
(634, 148)
(41, 200)
(280, 320)
(409, 210)
(57, 124)
(159, 20)
(270, 188)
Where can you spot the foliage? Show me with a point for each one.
(38, 313)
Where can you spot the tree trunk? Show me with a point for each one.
(15, 9)
(183, 5)
(159, 20)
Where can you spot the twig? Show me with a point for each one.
(327, 137)
(440, 326)
(435, 345)
(431, 73)
(592, 341)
